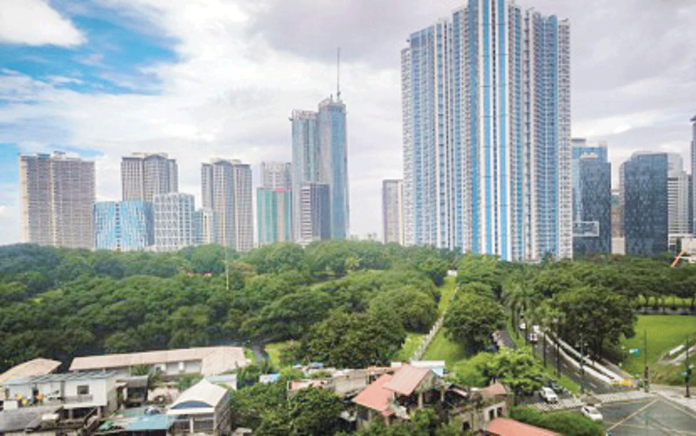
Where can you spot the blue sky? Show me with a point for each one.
(219, 78)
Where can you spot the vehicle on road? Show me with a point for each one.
(548, 395)
(591, 412)
(558, 389)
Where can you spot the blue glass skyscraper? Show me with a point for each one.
(486, 110)
(123, 225)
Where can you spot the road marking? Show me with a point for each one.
(679, 407)
(651, 427)
(633, 414)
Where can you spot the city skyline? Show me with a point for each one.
(633, 101)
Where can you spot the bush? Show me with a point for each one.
(566, 423)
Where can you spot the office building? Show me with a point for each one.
(123, 225)
(591, 180)
(174, 221)
(144, 175)
(392, 211)
(678, 193)
(616, 215)
(486, 110)
(274, 203)
(274, 215)
(592, 225)
(693, 173)
(276, 175)
(227, 191)
(205, 226)
(319, 156)
(56, 200)
(644, 202)
(315, 213)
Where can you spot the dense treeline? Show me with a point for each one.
(59, 303)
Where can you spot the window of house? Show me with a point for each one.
(83, 390)
(491, 414)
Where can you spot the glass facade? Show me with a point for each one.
(123, 226)
(592, 227)
(486, 110)
(644, 201)
(274, 215)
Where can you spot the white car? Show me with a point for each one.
(548, 395)
(591, 412)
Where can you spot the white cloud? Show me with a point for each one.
(242, 66)
(34, 22)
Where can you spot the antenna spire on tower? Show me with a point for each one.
(338, 73)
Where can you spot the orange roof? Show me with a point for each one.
(509, 427)
(376, 397)
(493, 390)
(407, 379)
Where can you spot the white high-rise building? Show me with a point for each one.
(205, 226)
(392, 211)
(486, 111)
(678, 203)
(144, 175)
(227, 190)
(174, 221)
(276, 175)
(57, 197)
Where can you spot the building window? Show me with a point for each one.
(83, 390)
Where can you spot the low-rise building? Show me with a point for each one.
(203, 408)
(170, 363)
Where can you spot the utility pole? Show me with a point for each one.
(582, 364)
(646, 376)
(687, 378)
(544, 338)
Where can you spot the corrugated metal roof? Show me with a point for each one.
(376, 397)
(48, 378)
(202, 392)
(509, 427)
(19, 419)
(215, 360)
(407, 379)
(29, 369)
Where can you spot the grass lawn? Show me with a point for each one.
(442, 348)
(413, 341)
(273, 351)
(664, 332)
(446, 291)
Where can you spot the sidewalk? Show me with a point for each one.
(676, 395)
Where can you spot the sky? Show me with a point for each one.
(219, 78)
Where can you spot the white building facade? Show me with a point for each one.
(486, 113)
(174, 221)
(144, 175)
(392, 211)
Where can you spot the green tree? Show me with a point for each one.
(471, 319)
(415, 309)
(517, 369)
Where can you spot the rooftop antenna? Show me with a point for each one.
(338, 74)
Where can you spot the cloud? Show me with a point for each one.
(34, 22)
(242, 66)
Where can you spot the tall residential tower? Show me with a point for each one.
(486, 111)
(392, 211)
(144, 175)
(274, 203)
(57, 197)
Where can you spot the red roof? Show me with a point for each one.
(509, 427)
(376, 397)
(493, 390)
(407, 379)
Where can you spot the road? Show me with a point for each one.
(656, 417)
(590, 383)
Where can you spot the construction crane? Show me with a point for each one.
(685, 252)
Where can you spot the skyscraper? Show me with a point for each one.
(315, 212)
(678, 193)
(392, 211)
(592, 224)
(591, 179)
(123, 225)
(644, 202)
(274, 203)
(276, 175)
(486, 109)
(205, 226)
(693, 173)
(226, 189)
(144, 175)
(319, 155)
(57, 196)
(174, 221)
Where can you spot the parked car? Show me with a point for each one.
(591, 412)
(558, 389)
(548, 395)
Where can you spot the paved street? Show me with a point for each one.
(649, 417)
